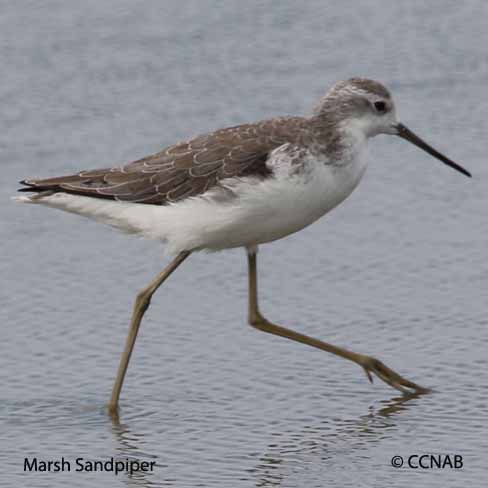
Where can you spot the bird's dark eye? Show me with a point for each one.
(380, 106)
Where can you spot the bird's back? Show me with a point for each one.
(185, 169)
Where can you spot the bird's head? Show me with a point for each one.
(365, 107)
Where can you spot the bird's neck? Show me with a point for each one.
(342, 141)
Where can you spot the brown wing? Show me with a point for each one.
(185, 169)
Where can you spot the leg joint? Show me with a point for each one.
(257, 321)
(143, 299)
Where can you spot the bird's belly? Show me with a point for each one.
(261, 211)
(272, 209)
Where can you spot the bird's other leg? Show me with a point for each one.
(141, 304)
(369, 364)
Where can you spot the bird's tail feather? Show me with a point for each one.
(33, 198)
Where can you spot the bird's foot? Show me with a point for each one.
(373, 366)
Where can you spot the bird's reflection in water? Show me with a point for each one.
(293, 450)
(129, 446)
(288, 451)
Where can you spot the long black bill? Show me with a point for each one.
(405, 133)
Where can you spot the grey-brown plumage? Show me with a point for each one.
(188, 168)
(192, 167)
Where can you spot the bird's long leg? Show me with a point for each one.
(141, 304)
(369, 364)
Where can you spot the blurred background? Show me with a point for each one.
(399, 271)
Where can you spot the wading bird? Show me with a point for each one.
(240, 186)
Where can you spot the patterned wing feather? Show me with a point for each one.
(185, 169)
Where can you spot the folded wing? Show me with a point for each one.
(185, 169)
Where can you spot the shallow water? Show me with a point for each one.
(399, 271)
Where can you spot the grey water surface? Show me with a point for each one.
(399, 271)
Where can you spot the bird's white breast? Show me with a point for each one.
(301, 193)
